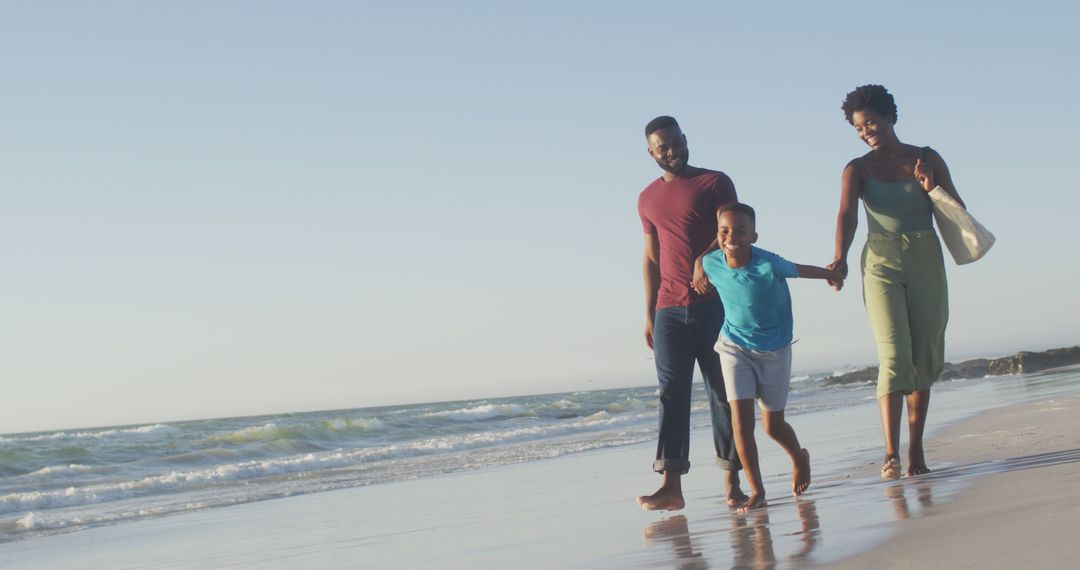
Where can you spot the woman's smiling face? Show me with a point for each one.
(873, 128)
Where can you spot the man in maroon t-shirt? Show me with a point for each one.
(678, 212)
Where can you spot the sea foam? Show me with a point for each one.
(155, 429)
(482, 412)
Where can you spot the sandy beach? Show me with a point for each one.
(1004, 492)
(1020, 509)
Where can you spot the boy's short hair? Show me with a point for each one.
(738, 208)
(661, 122)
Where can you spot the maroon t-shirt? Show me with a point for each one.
(682, 214)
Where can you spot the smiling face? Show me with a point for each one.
(874, 129)
(735, 231)
(668, 148)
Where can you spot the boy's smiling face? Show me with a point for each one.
(735, 232)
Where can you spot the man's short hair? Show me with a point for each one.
(738, 208)
(661, 122)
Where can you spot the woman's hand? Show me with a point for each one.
(839, 266)
(924, 174)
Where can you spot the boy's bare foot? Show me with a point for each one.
(891, 468)
(917, 470)
(755, 501)
(800, 479)
(665, 499)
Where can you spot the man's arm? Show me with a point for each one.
(700, 282)
(726, 194)
(651, 269)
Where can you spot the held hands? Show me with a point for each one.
(924, 174)
(839, 266)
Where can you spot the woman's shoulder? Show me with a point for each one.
(857, 167)
(919, 150)
(928, 154)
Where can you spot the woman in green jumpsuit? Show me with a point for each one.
(904, 287)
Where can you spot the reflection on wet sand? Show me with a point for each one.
(811, 529)
(676, 531)
(897, 494)
(752, 541)
(750, 538)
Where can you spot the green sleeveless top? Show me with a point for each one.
(894, 207)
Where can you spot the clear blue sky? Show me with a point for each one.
(227, 208)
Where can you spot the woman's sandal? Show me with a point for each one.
(891, 469)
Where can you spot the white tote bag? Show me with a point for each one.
(966, 239)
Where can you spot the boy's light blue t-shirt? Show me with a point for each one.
(757, 303)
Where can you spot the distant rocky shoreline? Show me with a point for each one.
(1020, 363)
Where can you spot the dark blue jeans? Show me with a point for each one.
(681, 336)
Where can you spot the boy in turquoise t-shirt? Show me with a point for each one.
(755, 341)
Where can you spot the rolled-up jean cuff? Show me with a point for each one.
(677, 465)
(728, 465)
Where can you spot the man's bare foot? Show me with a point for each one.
(891, 468)
(755, 501)
(735, 495)
(663, 500)
(800, 479)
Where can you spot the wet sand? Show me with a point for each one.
(1022, 506)
(1004, 492)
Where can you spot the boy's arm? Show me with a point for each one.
(815, 272)
(700, 283)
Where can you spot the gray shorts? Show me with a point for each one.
(750, 374)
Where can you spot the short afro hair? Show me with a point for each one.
(873, 97)
(738, 208)
(661, 122)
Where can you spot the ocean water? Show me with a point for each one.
(63, 481)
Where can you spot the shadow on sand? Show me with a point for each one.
(1003, 465)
